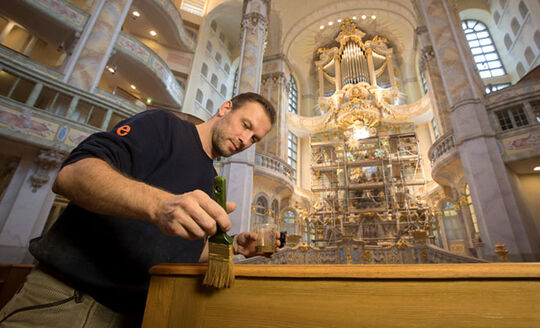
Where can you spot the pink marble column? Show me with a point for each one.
(432, 74)
(238, 169)
(98, 44)
(498, 214)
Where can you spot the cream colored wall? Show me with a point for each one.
(530, 190)
(198, 82)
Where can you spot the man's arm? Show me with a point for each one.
(94, 185)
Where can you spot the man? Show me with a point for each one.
(140, 195)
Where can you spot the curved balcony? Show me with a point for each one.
(445, 160)
(144, 68)
(166, 21)
(274, 168)
(58, 21)
(39, 110)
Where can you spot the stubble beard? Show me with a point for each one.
(219, 142)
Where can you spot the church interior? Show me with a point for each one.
(407, 131)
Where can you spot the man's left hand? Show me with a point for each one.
(244, 243)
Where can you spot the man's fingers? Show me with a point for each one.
(213, 209)
(231, 206)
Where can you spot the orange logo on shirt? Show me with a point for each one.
(123, 130)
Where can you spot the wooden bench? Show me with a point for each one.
(416, 295)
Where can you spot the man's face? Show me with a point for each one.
(237, 130)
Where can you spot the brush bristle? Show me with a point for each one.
(220, 271)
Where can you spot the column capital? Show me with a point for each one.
(254, 21)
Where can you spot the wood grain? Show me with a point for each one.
(460, 295)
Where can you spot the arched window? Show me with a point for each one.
(213, 25)
(514, 24)
(454, 228)
(496, 16)
(529, 55)
(209, 47)
(520, 69)
(227, 68)
(424, 82)
(289, 218)
(262, 205)
(523, 10)
(293, 96)
(199, 96)
(470, 206)
(537, 39)
(209, 105)
(275, 206)
(214, 80)
(222, 37)
(507, 41)
(204, 70)
(223, 90)
(292, 144)
(483, 49)
(218, 57)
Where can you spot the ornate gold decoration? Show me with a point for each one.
(501, 251)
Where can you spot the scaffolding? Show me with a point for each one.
(369, 189)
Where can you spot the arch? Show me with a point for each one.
(213, 25)
(453, 226)
(496, 17)
(209, 46)
(288, 219)
(227, 68)
(223, 90)
(214, 80)
(204, 70)
(537, 39)
(515, 26)
(261, 203)
(217, 57)
(523, 10)
(520, 69)
(209, 105)
(507, 41)
(485, 54)
(529, 55)
(199, 96)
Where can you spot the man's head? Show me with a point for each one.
(241, 122)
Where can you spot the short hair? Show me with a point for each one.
(239, 100)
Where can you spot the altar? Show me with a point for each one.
(415, 295)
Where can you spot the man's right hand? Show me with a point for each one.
(192, 215)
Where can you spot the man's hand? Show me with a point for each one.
(192, 215)
(244, 243)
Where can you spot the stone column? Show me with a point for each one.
(238, 169)
(24, 220)
(498, 214)
(390, 71)
(436, 91)
(96, 44)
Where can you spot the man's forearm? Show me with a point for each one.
(93, 184)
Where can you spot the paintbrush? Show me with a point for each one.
(220, 271)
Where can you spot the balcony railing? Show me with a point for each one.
(61, 11)
(38, 109)
(274, 166)
(173, 13)
(442, 146)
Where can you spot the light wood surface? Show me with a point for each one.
(432, 295)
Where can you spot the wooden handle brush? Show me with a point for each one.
(220, 271)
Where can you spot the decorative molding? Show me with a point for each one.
(47, 160)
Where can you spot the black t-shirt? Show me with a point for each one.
(109, 257)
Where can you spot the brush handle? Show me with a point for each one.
(220, 196)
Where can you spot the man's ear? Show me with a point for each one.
(225, 108)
